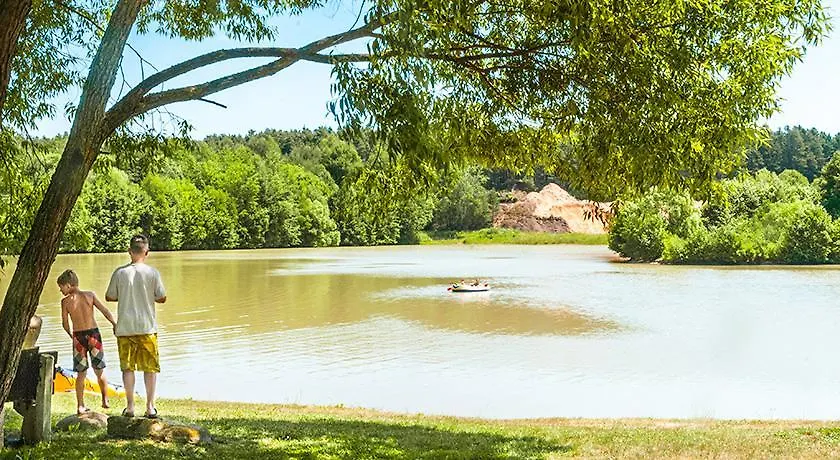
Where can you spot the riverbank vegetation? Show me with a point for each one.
(298, 188)
(319, 188)
(281, 431)
(263, 190)
(753, 218)
(510, 236)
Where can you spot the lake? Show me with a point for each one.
(565, 331)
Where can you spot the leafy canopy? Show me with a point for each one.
(610, 95)
(647, 93)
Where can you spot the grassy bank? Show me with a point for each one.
(303, 432)
(509, 236)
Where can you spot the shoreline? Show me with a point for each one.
(487, 236)
(253, 430)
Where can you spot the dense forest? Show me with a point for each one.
(295, 188)
(261, 190)
(795, 148)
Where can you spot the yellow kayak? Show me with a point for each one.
(65, 380)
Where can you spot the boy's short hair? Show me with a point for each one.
(68, 277)
(139, 244)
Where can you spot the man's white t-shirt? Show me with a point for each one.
(135, 286)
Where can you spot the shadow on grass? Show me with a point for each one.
(309, 439)
(315, 438)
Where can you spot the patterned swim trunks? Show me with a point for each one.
(84, 343)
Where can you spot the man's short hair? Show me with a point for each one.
(139, 244)
(68, 277)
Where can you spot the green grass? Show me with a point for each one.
(509, 236)
(258, 431)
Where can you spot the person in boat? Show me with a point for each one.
(137, 287)
(77, 308)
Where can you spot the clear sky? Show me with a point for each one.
(297, 97)
(811, 94)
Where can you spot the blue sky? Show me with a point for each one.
(297, 97)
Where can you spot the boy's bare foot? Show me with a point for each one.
(105, 403)
(81, 410)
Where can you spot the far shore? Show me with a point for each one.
(510, 236)
(255, 431)
(449, 237)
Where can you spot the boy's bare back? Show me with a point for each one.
(79, 305)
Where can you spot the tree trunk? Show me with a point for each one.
(12, 18)
(86, 138)
(35, 261)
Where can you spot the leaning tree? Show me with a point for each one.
(646, 93)
(12, 18)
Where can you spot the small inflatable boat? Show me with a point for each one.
(469, 288)
(65, 380)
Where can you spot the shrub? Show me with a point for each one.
(639, 229)
(466, 205)
(718, 245)
(809, 239)
(745, 195)
(798, 232)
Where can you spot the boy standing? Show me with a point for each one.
(78, 306)
(137, 287)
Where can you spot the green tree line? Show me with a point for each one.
(760, 217)
(261, 190)
(796, 148)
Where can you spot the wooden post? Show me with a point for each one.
(36, 419)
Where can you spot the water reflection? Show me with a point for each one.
(563, 332)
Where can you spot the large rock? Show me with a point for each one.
(552, 209)
(87, 421)
(157, 429)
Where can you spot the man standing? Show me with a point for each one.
(137, 287)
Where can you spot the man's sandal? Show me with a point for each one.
(126, 413)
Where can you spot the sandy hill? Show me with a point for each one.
(552, 209)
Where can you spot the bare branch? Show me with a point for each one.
(213, 102)
(335, 58)
(199, 91)
(197, 62)
(138, 100)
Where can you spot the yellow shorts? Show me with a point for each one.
(139, 353)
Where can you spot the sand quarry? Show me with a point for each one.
(552, 209)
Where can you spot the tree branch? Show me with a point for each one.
(138, 100)
(84, 15)
(197, 62)
(499, 54)
(212, 102)
(335, 58)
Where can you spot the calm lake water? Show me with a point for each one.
(565, 332)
